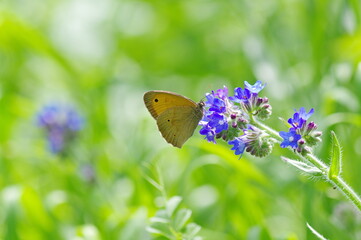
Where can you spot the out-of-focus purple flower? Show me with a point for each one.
(238, 145)
(290, 139)
(256, 88)
(61, 124)
(56, 139)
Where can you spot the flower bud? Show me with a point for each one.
(259, 101)
(265, 112)
(258, 143)
(242, 123)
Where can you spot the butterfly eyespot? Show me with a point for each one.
(168, 120)
(156, 100)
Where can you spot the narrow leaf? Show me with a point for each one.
(304, 167)
(316, 233)
(160, 229)
(181, 217)
(336, 157)
(172, 204)
(158, 220)
(192, 229)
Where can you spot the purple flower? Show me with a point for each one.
(300, 129)
(222, 93)
(215, 104)
(238, 145)
(296, 122)
(210, 99)
(61, 125)
(290, 139)
(218, 121)
(256, 88)
(56, 140)
(303, 113)
(209, 132)
(225, 117)
(241, 95)
(218, 106)
(299, 118)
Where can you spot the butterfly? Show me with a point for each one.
(177, 116)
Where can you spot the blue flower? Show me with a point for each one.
(226, 116)
(210, 99)
(209, 132)
(299, 118)
(222, 93)
(241, 95)
(218, 106)
(215, 104)
(218, 121)
(256, 88)
(74, 121)
(290, 139)
(297, 122)
(61, 125)
(238, 145)
(303, 114)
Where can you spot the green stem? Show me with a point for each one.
(347, 191)
(336, 181)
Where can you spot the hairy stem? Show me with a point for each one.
(336, 181)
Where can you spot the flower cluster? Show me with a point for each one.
(61, 125)
(301, 135)
(226, 116)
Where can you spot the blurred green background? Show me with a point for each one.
(101, 56)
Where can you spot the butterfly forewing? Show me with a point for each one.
(159, 101)
(178, 124)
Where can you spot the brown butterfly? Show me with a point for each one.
(177, 116)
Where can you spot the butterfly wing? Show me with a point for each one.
(159, 101)
(177, 124)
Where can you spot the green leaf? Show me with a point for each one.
(336, 157)
(172, 204)
(304, 167)
(160, 229)
(182, 216)
(161, 214)
(192, 229)
(158, 220)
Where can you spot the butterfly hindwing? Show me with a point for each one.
(177, 124)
